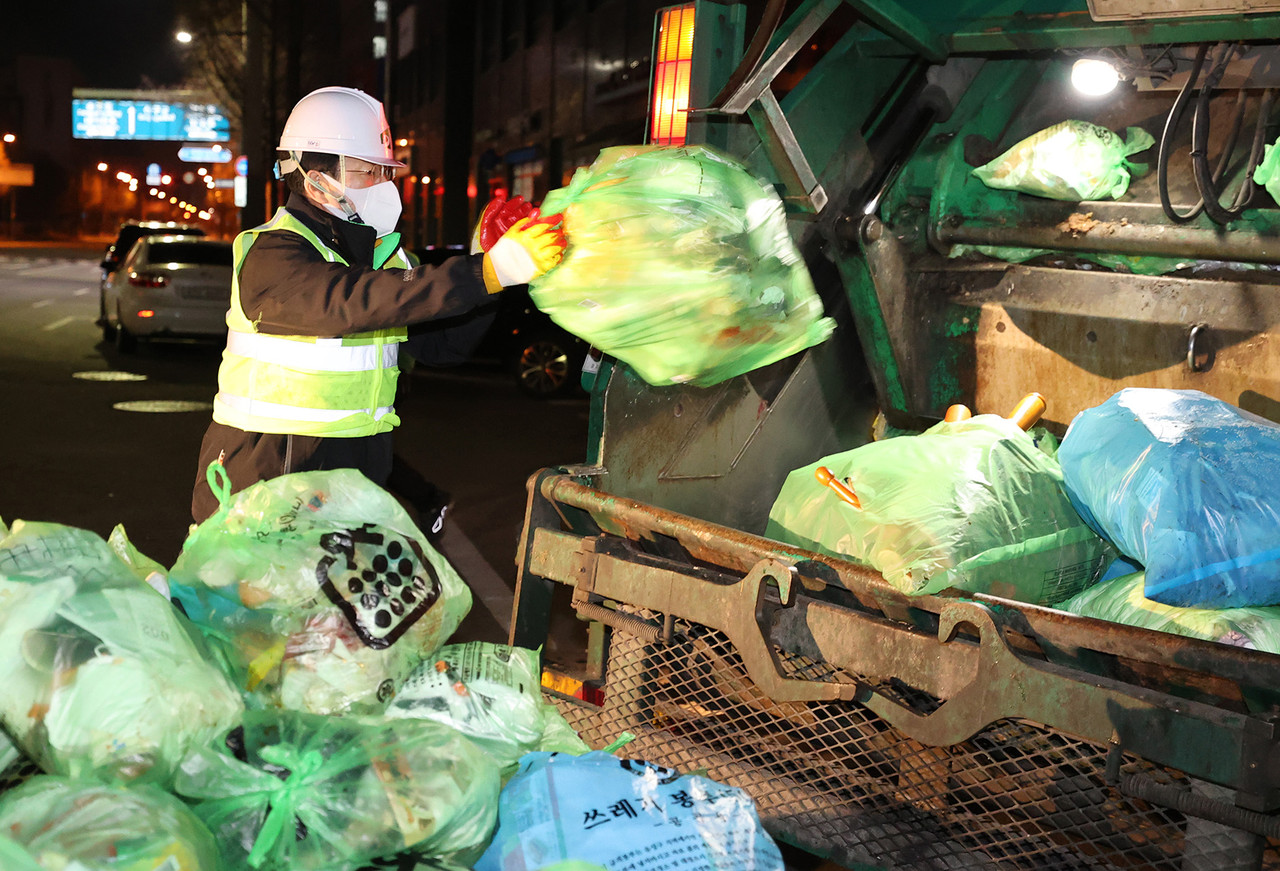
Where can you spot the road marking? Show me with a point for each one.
(83, 291)
(42, 303)
(108, 375)
(487, 586)
(69, 270)
(163, 406)
(59, 323)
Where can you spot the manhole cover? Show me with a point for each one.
(163, 406)
(108, 376)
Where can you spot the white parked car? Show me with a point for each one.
(168, 286)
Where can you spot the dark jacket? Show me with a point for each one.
(288, 288)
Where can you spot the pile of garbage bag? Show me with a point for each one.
(680, 264)
(1157, 510)
(974, 504)
(288, 698)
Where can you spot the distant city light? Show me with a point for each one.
(9, 137)
(102, 167)
(183, 37)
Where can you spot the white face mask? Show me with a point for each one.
(377, 205)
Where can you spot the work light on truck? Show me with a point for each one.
(1094, 77)
(672, 67)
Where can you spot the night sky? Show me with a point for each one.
(115, 43)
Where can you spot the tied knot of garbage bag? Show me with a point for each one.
(303, 768)
(220, 484)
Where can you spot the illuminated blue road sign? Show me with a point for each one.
(200, 154)
(148, 119)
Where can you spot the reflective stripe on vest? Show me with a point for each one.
(307, 385)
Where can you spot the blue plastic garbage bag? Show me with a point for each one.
(1186, 485)
(620, 814)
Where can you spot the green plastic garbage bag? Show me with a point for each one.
(680, 264)
(1120, 600)
(10, 755)
(15, 857)
(320, 592)
(974, 504)
(62, 824)
(1072, 160)
(1267, 172)
(102, 676)
(492, 693)
(319, 793)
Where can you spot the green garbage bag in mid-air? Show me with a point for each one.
(680, 264)
(1072, 160)
(973, 504)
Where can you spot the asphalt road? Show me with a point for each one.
(94, 438)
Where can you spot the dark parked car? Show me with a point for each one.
(132, 231)
(544, 358)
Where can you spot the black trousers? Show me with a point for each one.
(250, 457)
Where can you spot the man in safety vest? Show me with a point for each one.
(321, 298)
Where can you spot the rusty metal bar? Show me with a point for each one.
(736, 551)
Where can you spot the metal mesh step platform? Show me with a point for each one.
(889, 732)
(834, 778)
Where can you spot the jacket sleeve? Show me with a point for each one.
(287, 288)
(451, 341)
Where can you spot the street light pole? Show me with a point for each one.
(255, 205)
(10, 139)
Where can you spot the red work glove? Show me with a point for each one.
(532, 247)
(496, 219)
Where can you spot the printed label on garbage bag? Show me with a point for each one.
(382, 583)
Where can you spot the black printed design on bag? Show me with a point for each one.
(382, 583)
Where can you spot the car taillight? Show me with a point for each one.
(143, 279)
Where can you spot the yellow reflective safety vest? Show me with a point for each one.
(306, 385)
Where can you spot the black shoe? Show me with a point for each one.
(432, 516)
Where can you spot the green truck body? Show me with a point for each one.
(873, 728)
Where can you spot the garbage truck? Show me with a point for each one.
(954, 730)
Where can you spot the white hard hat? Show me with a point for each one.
(340, 121)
